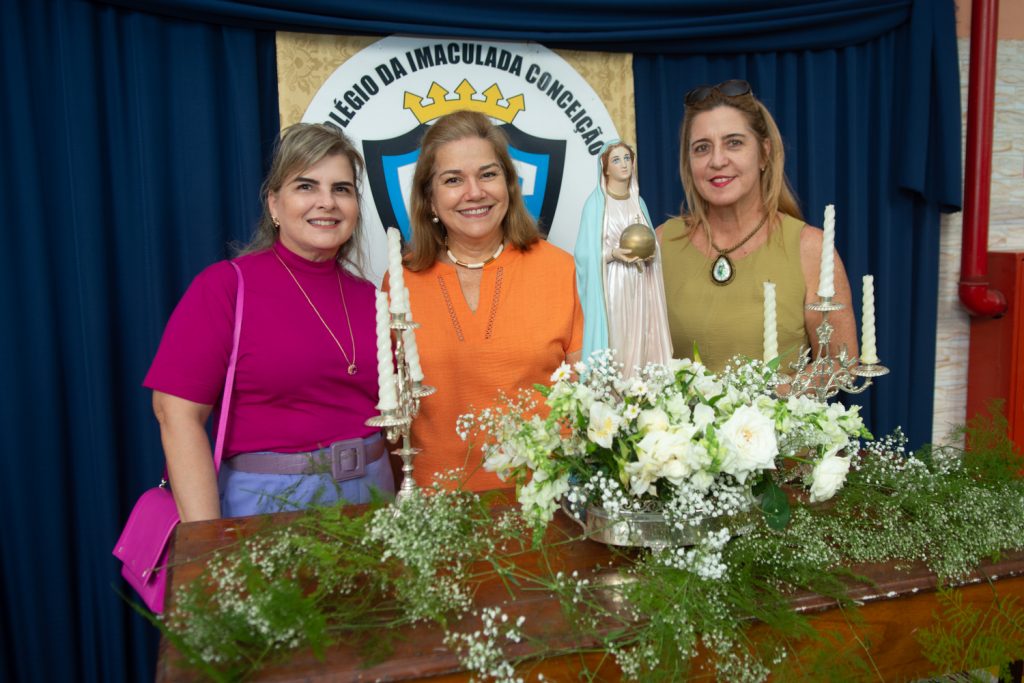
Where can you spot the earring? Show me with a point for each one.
(435, 220)
(277, 223)
(762, 168)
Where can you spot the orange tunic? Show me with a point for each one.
(528, 319)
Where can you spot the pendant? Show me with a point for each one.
(351, 368)
(722, 270)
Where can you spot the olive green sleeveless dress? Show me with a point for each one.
(726, 320)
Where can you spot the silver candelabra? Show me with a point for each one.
(826, 375)
(397, 422)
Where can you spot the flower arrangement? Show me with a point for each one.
(674, 437)
(452, 562)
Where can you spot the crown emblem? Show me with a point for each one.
(465, 91)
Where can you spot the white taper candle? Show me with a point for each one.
(868, 349)
(412, 355)
(771, 334)
(826, 279)
(388, 393)
(399, 297)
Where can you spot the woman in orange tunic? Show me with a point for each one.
(498, 306)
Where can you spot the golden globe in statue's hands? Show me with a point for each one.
(639, 239)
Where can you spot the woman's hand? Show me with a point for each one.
(189, 458)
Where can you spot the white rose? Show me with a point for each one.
(558, 392)
(730, 399)
(676, 364)
(852, 421)
(652, 420)
(708, 385)
(831, 428)
(677, 408)
(702, 480)
(672, 456)
(703, 415)
(539, 497)
(585, 396)
(509, 455)
(499, 461)
(748, 442)
(802, 405)
(604, 424)
(658, 447)
(644, 472)
(696, 454)
(828, 476)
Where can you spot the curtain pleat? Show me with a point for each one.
(132, 147)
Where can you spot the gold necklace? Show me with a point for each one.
(618, 196)
(351, 361)
(722, 270)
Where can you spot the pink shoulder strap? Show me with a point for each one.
(229, 379)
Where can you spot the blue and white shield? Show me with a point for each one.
(390, 164)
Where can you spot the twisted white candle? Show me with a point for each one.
(868, 351)
(771, 335)
(399, 295)
(412, 356)
(826, 279)
(388, 393)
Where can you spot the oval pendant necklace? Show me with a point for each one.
(723, 270)
(351, 361)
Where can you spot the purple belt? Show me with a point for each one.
(347, 459)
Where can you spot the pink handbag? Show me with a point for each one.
(143, 545)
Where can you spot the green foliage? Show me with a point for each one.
(990, 454)
(331, 577)
(774, 503)
(965, 637)
(937, 510)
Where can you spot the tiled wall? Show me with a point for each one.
(1006, 230)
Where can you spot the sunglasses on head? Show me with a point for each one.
(730, 88)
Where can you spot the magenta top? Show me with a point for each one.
(292, 391)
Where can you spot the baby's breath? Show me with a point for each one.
(356, 578)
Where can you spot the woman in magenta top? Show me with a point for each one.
(306, 377)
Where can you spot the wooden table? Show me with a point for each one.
(899, 604)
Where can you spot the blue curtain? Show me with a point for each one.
(646, 26)
(134, 136)
(859, 134)
(132, 150)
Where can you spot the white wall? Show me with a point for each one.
(1006, 230)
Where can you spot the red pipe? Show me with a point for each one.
(975, 294)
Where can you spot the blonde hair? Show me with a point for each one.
(300, 146)
(428, 237)
(776, 194)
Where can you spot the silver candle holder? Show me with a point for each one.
(826, 375)
(397, 422)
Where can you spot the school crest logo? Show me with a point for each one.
(387, 95)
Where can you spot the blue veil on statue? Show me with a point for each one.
(623, 296)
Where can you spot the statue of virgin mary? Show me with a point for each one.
(622, 292)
